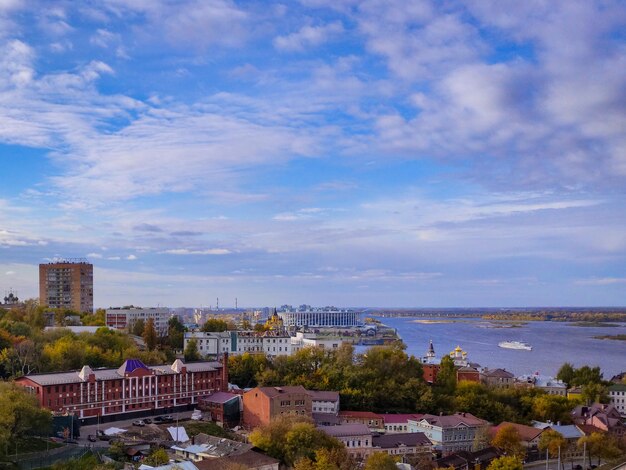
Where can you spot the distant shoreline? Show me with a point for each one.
(612, 337)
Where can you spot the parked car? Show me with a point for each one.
(147, 421)
(168, 419)
(139, 422)
(92, 438)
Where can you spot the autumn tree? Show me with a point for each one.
(508, 440)
(214, 325)
(506, 463)
(552, 441)
(380, 461)
(150, 335)
(292, 438)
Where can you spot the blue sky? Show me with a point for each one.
(355, 153)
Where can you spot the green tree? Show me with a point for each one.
(380, 461)
(243, 369)
(138, 327)
(594, 392)
(20, 415)
(191, 351)
(158, 457)
(587, 375)
(600, 445)
(446, 377)
(150, 335)
(508, 440)
(214, 324)
(175, 333)
(552, 441)
(482, 439)
(506, 463)
(566, 373)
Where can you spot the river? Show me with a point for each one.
(553, 343)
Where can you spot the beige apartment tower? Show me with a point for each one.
(67, 284)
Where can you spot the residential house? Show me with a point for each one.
(467, 374)
(548, 384)
(449, 433)
(251, 460)
(398, 423)
(617, 398)
(262, 404)
(373, 421)
(224, 408)
(413, 444)
(325, 402)
(570, 432)
(603, 417)
(466, 460)
(357, 438)
(529, 437)
(500, 378)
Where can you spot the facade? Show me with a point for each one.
(132, 388)
(322, 318)
(356, 437)
(67, 284)
(270, 343)
(550, 385)
(211, 343)
(617, 397)
(398, 423)
(467, 374)
(449, 433)
(373, 421)
(303, 340)
(430, 372)
(325, 402)
(499, 378)
(223, 408)
(263, 404)
(404, 445)
(125, 318)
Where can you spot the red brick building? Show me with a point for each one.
(134, 387)
(430, 372)
(262, 404)
(468, 374)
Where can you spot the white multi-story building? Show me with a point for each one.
(239, 342)
(322, 318)
(302, 340)
(125, 318)
(617, 397)
(324, 402)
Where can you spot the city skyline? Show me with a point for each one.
(349, 153)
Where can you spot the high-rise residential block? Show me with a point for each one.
(67, 284)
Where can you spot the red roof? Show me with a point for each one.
(400, 418)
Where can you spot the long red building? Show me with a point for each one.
(133, 387)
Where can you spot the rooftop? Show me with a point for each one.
(411, 439)
(319, 395)
(220, 397)
(527, 433)
(272, 392)
(346, 430)
(391, 418)
(451, 421)
(249, 459)
(359, 414)
(111, 374)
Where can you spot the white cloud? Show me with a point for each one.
(94, 255)
(131, 257)
(308, 36)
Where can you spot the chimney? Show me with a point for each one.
(225, 372)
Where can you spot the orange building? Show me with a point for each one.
(262, 404)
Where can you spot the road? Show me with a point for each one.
(123, 424)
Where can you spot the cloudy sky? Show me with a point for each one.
(346, 152)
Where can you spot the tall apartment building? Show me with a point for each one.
(67, 284)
